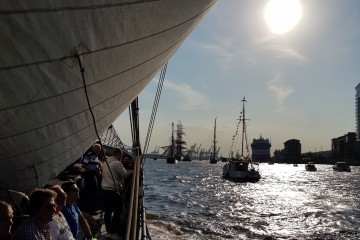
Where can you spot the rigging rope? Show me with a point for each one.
(82, 70)
(154, 110)
(235, 137)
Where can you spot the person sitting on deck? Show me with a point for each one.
(42, 210)
(91, 165)
(71, 211)
(6, 220)
(112, 184)
(59, 228)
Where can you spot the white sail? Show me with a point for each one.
(44, 116)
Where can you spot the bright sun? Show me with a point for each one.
(282, 15)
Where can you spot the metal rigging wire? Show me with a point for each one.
(154, 110)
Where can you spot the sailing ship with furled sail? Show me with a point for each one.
(169, 151)
(180, 142)
(68, 69)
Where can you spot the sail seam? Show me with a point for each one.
(74, 8)
(78, 113)
(103, 49)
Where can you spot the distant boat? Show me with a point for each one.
(241, 168)
(154, 154)
(223, 159)
(179, 142)
(310, 166)
(169, 151)
(295, 165)
(271, 163)
(192, 152)
(187, 158)
(341, 167)
(213, 158)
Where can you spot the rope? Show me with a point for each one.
(82, 70)
(154, 110)
(235, 136)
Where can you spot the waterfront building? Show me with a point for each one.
(260, 149)
(357, 111)
(357, 120)
(343, 148)
(292, 151)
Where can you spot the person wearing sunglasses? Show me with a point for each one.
(72, 213)
(42, 210)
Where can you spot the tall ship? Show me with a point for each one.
(169, 151)
(241, 168)
(180, 142)
(68, 69)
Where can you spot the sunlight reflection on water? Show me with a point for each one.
(288, 202)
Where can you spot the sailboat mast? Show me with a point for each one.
(243, 127)
(214, 150)
(172, 140)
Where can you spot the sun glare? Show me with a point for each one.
(282, 15)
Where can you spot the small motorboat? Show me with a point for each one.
(310, 166)
(341, 167)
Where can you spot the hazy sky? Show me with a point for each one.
(299, 84)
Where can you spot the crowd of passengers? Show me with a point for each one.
(53, 210)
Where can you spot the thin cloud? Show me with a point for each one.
(285, 52)
(281, 92)
(229, 53)
(221, 51)
(191, 99)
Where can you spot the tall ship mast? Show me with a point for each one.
(179, 142)
(169, 151)
(213, 157)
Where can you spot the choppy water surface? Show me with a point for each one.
(193, 201)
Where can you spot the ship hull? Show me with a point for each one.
(46, 123)
(233, 172)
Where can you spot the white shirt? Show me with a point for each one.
(118, 171)
(59, 228)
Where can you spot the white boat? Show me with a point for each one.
(154, 154)
(65, 65)
(310, 166)
(341, 167)
(241, 168)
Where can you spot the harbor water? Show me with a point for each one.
(191, 200)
